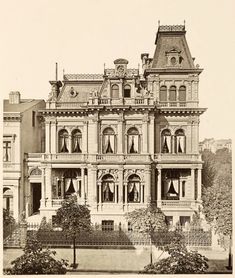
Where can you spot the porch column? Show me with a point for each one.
(48, 171)
(141, 193)
(83, 184)
(159, 187)
(16, 200)
(151, 136)
(99, 193)
(147, 192)
(173, 143)
(116, 193)
(42, 201)
(125, 191)
(193, 183)
(62, 188)
(199, 184)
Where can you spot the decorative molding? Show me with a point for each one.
(102, 172)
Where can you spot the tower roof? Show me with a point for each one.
(172, 49)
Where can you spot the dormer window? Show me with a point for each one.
(127, 91)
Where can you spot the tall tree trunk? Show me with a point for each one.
(74, 252)
(151, 253)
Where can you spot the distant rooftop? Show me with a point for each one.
(83, 76)
(24, 105)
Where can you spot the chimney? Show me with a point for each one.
(14, 97)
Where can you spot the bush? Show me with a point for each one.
(180, 260)
(35, 260)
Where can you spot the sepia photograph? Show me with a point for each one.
(117, 134)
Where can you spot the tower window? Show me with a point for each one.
(163, 93)
(115, 91)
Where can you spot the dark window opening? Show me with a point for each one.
(127, 91)
(107, 225)
(183, 188)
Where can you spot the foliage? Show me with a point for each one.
(73, 218)
(45, 226)
(180, 260)
(35, 260)
(147, 220)
(217, 197)
(7, 218)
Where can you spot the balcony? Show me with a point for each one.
(122, 101)
(179, 157)
(176, 204)
(172, 104)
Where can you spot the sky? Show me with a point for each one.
(83, 35)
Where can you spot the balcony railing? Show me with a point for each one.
(175, 204)
(178, 104)
(177, 157)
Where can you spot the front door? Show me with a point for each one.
(36, 196)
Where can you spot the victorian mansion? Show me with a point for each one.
(121, 139)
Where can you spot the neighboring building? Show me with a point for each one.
(22, 133)
(213, 145)
(120, 139)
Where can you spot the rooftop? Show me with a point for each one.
(24, 105)
(83, 76)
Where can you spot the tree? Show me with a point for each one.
(147, 221)
(73, 218)
(180, 260)
(35, 260)
(7, 218)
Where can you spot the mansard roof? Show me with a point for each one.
(171, 39)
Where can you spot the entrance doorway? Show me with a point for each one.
(36, 194)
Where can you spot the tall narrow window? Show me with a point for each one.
(172, 93)
(108, 189)
(71, 185)
(63, 141)
(127, 91)
(133, 140)
(182, 93)
(77, 141)
(6, 151)
(115, 91)
(108, 141)
(163, 93)
(179, 141)
(166, 141)
(134, 189)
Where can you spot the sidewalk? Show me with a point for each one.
(114, 260)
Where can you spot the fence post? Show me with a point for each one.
(215, 240)
(23, 234)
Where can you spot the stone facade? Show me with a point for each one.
(124, 138)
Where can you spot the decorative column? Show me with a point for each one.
(125, 191)
(95, 134)
(145, 134)
(199, 184)
(62, 188)
(84, 137)
(53, 135)
(92, 188)
(16, 200)
(159, 187)
(120, 188)
(47, 135)
(193, 183)
(99, 192)
(116, 193)
(120, 135)
(120, 84)
(173, 143)
(141, 193)
(151, 136)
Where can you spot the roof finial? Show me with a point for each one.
(56, 71)
(184, 23)
(158, 23)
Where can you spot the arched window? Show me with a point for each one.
(63, 141)
(172, 94)
(133, 140)
(8, 199)
(127, 91)
(163, 93)
(134, 189)
(76, 141)
(115, 91)
(166, 141)
(180, 141)
(182, 93)
(107, 189)
(108, 141)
